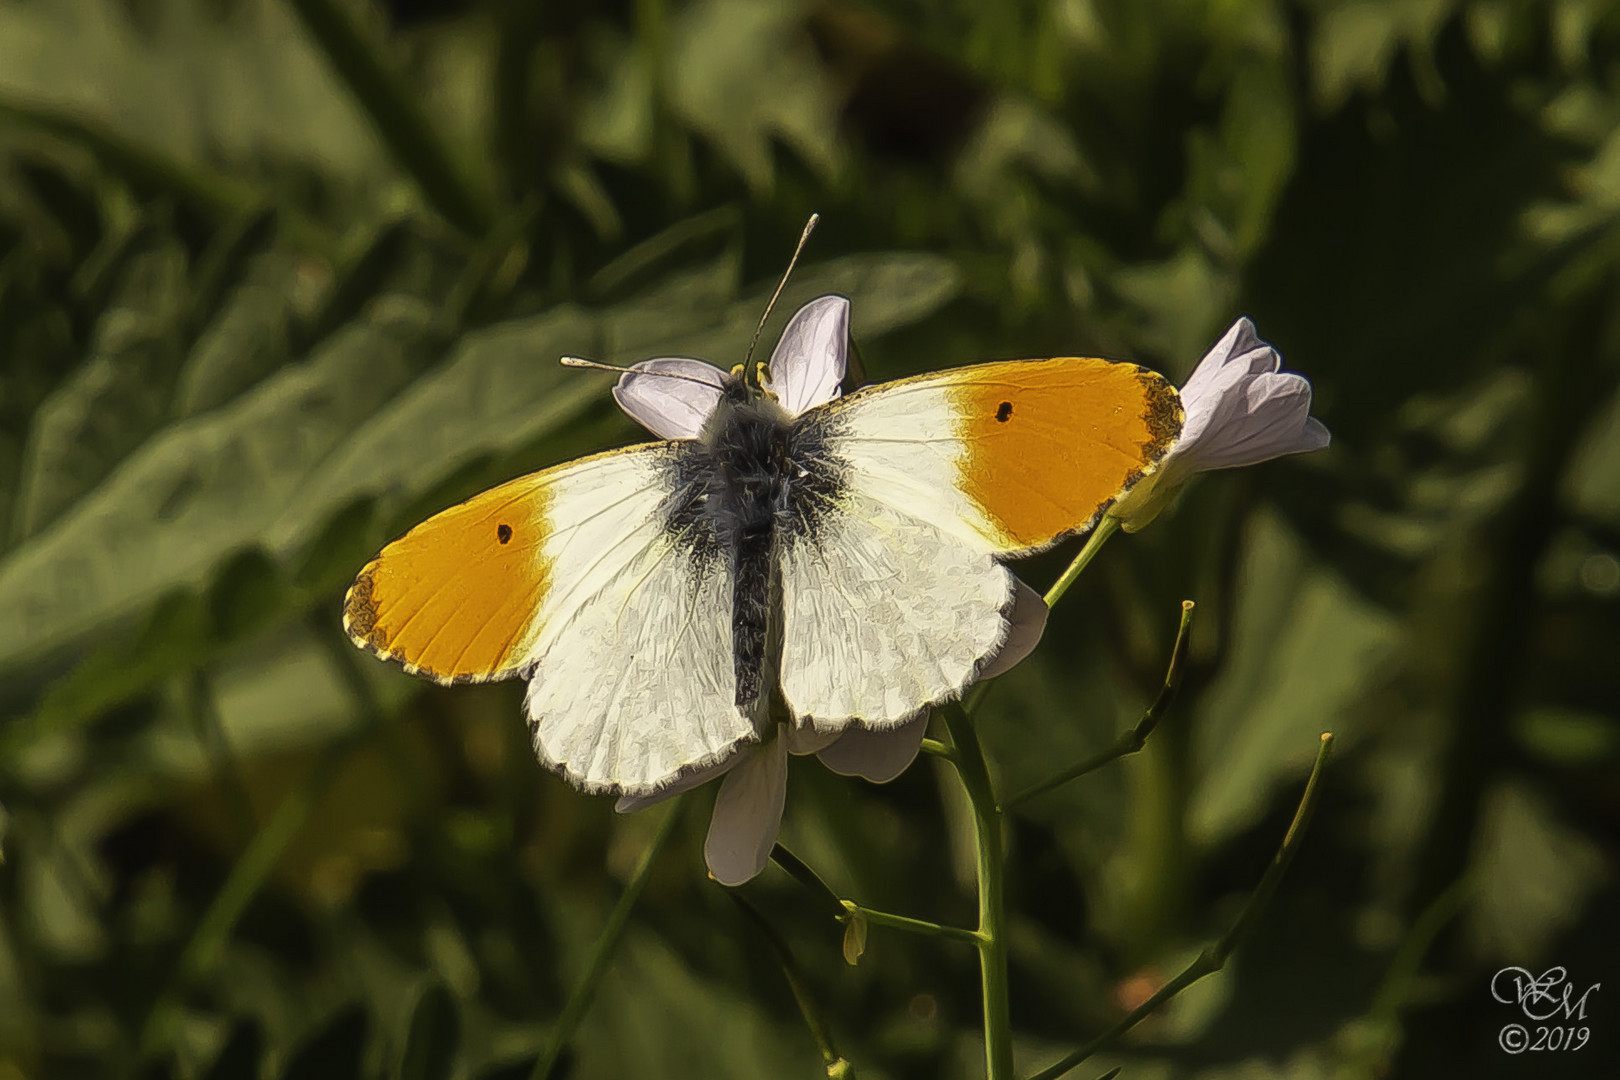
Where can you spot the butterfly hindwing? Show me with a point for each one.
(636, 686)
(885, 612)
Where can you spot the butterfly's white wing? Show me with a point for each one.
(895, 600)
(571, 578)
(884, 613)
(632, 682)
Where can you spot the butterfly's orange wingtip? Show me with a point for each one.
(360, 614)
(1164, 414)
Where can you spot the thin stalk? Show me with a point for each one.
(1106, 528)
(844, 910)
(801, 872)
(1213, 958)
(1130, 741)
(836, 1064)
(579, 1000)
(992, 936)
(914, 926)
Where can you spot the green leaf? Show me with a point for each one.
(247, 594)
(1356, 41)
(435, 1033)
(201, 489)
(114, 401)
(175, 636)
(241, 1058)
(242, 343)
(335, 1051)
(207, 90)
(1304, 645)
(738, 72)
(1534, 874)
(697, 1027)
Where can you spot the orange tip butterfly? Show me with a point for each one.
(840, 554)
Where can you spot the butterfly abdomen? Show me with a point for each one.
(756, 480)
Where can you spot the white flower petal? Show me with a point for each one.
(806, 739)
(1213, 394)
(1239, 352)
(629, 804)
(670, 408)
(1241, 409)
(1271, 417)
(1028, 622)
(879, 756)
(807, 367)
(747, 814)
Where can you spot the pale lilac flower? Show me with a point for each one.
(805, 370)
(1240, 410)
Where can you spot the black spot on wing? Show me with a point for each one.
(1004, 411)
(503, 533)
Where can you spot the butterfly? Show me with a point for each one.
(842, 555)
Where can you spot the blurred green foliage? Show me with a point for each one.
(280, 277)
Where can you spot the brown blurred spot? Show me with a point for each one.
(902, 100)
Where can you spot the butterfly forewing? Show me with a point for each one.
(455, 598)
(573, 578)
(1017, 453)
(897, 599)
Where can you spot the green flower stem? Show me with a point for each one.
(222, 758)
(968, 757)
(938, 749)
(843, 910)
(1213, 958)
(397, 114)
(1106, 528)
(836, 1064)
(992, 935)
(579, 999)
(811, 880)
(915, 926)
(1131, 741)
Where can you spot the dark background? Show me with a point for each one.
(278, 278)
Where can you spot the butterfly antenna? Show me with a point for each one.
(576, 362)
(749, 373)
